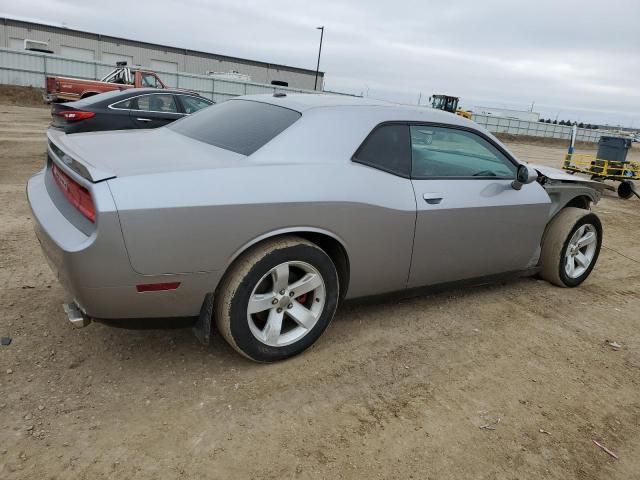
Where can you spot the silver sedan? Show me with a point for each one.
(261, 214)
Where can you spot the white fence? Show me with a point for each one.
(535, 129)
(31, 68)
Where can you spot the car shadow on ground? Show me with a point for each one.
(168, 342)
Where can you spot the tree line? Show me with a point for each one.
(569, 123)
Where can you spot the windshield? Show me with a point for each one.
(450, 104)
(241, 126)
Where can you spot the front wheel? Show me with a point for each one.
(277, 299)
(570, 247)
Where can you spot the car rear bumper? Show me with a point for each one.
(95, 270)
(59, 97)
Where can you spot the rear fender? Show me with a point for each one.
(284, 231)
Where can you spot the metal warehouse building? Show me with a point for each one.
(18, 34)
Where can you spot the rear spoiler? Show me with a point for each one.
(72, 161)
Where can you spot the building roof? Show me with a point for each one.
(64, 29)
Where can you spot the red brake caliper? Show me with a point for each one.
(302, 298)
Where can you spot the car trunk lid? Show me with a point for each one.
(106, 155)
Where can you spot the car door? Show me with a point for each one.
(383, 232)
(154, 110)
(470, 221)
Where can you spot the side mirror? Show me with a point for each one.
(524, 175)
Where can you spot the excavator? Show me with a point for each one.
(448, 104)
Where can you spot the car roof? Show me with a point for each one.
(305, 101)
(115, 95)
(302, 102)
(176, 91)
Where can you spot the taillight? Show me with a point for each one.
(75, 115)
(51, 84)
(77, 195)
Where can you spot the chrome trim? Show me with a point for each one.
(142, 95)
(109, 75)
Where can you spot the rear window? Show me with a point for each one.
(238, 125)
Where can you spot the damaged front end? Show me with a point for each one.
(566, 190)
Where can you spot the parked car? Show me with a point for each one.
(62, 89)
(134, 108)
(260, 214)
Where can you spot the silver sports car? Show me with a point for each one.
(262, 213)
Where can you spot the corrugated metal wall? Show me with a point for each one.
(13, 32)
(31, 68)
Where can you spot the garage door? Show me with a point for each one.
(16, 43)
(113, 58)
(162, 66)
(77, 53)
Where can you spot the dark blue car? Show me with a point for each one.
(121, 110)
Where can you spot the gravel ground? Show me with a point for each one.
(496, 382)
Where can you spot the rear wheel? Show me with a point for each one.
(277, 299)
(570, 247)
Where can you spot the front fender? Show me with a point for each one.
(561, 194)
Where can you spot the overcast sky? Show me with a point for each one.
(578, 59)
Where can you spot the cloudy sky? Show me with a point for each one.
(576, 59)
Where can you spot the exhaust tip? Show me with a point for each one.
(77, 318)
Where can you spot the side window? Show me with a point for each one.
(155, 103)
(445, 152)
(387, 148)
(149, 80)
(125, 104)
(193, 104)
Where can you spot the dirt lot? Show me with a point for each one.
(394, 389)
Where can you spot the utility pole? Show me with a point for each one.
(315, 85)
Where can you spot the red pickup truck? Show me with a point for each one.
(63, 89)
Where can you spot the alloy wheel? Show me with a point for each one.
(286, 303)
(581, 251)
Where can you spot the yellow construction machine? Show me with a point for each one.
(448, 104)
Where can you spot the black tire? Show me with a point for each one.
(625, 189)
(247, 273)
(556, 240)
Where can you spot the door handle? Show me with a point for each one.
(144, 119)
(433, 198)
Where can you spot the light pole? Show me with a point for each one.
(315, 84)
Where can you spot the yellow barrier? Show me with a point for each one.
(591, 165)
